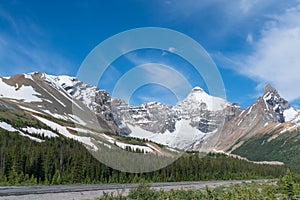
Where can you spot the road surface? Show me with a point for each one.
(96, 190)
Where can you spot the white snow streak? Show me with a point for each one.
(44, 132)
(25, 93)
(29, 109)
(10, 128)
(290, 114)
(7, 127)
(63, 130)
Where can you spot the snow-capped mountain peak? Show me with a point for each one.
(199, 112)
(199, 99)
(61, 81)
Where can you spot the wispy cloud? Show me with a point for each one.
(225, 16)
(166, 71)
(151, 73)
(156, 73)
(23, 48)
(275, 58)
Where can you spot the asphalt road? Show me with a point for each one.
(36, 190)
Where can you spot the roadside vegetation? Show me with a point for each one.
(288, 187)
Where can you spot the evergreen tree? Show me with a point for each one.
(56, 180)
(288, 185)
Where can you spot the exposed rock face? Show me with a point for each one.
(199, 122)
(205, 112)
(205, 115)
(275, 103)
(268, 109)
(158, 118)
(153, 117)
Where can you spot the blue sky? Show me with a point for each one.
(253, 42)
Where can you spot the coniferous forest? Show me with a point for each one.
(64, 161)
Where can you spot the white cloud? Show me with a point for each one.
(276, 57)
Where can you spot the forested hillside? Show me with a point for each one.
(63, 161)
(273, 146)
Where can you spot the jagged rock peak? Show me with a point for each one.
(270, 89)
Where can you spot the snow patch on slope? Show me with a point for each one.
(76, 119)
(10, 128)
(55, 115)
(68, 87)
(183, 135)
(29, 109)
(290, 114)
(198, 97)
(25, 93)
(63, 130)
(133, 147)
(266, 98)
(65, 117)
(59, 81)
(28, 76)
(7, 127)
(123, 145)
(250, 109)
(44, 132)
(31, 137)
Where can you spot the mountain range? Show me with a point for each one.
(200, 122)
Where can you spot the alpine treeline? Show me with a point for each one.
(65, 161)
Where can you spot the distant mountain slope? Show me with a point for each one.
(273, 145)
(56, 96)
(200, 122)
(193, 119)
(40, 128)
(269, 109)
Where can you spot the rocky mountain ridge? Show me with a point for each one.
(199, 122)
